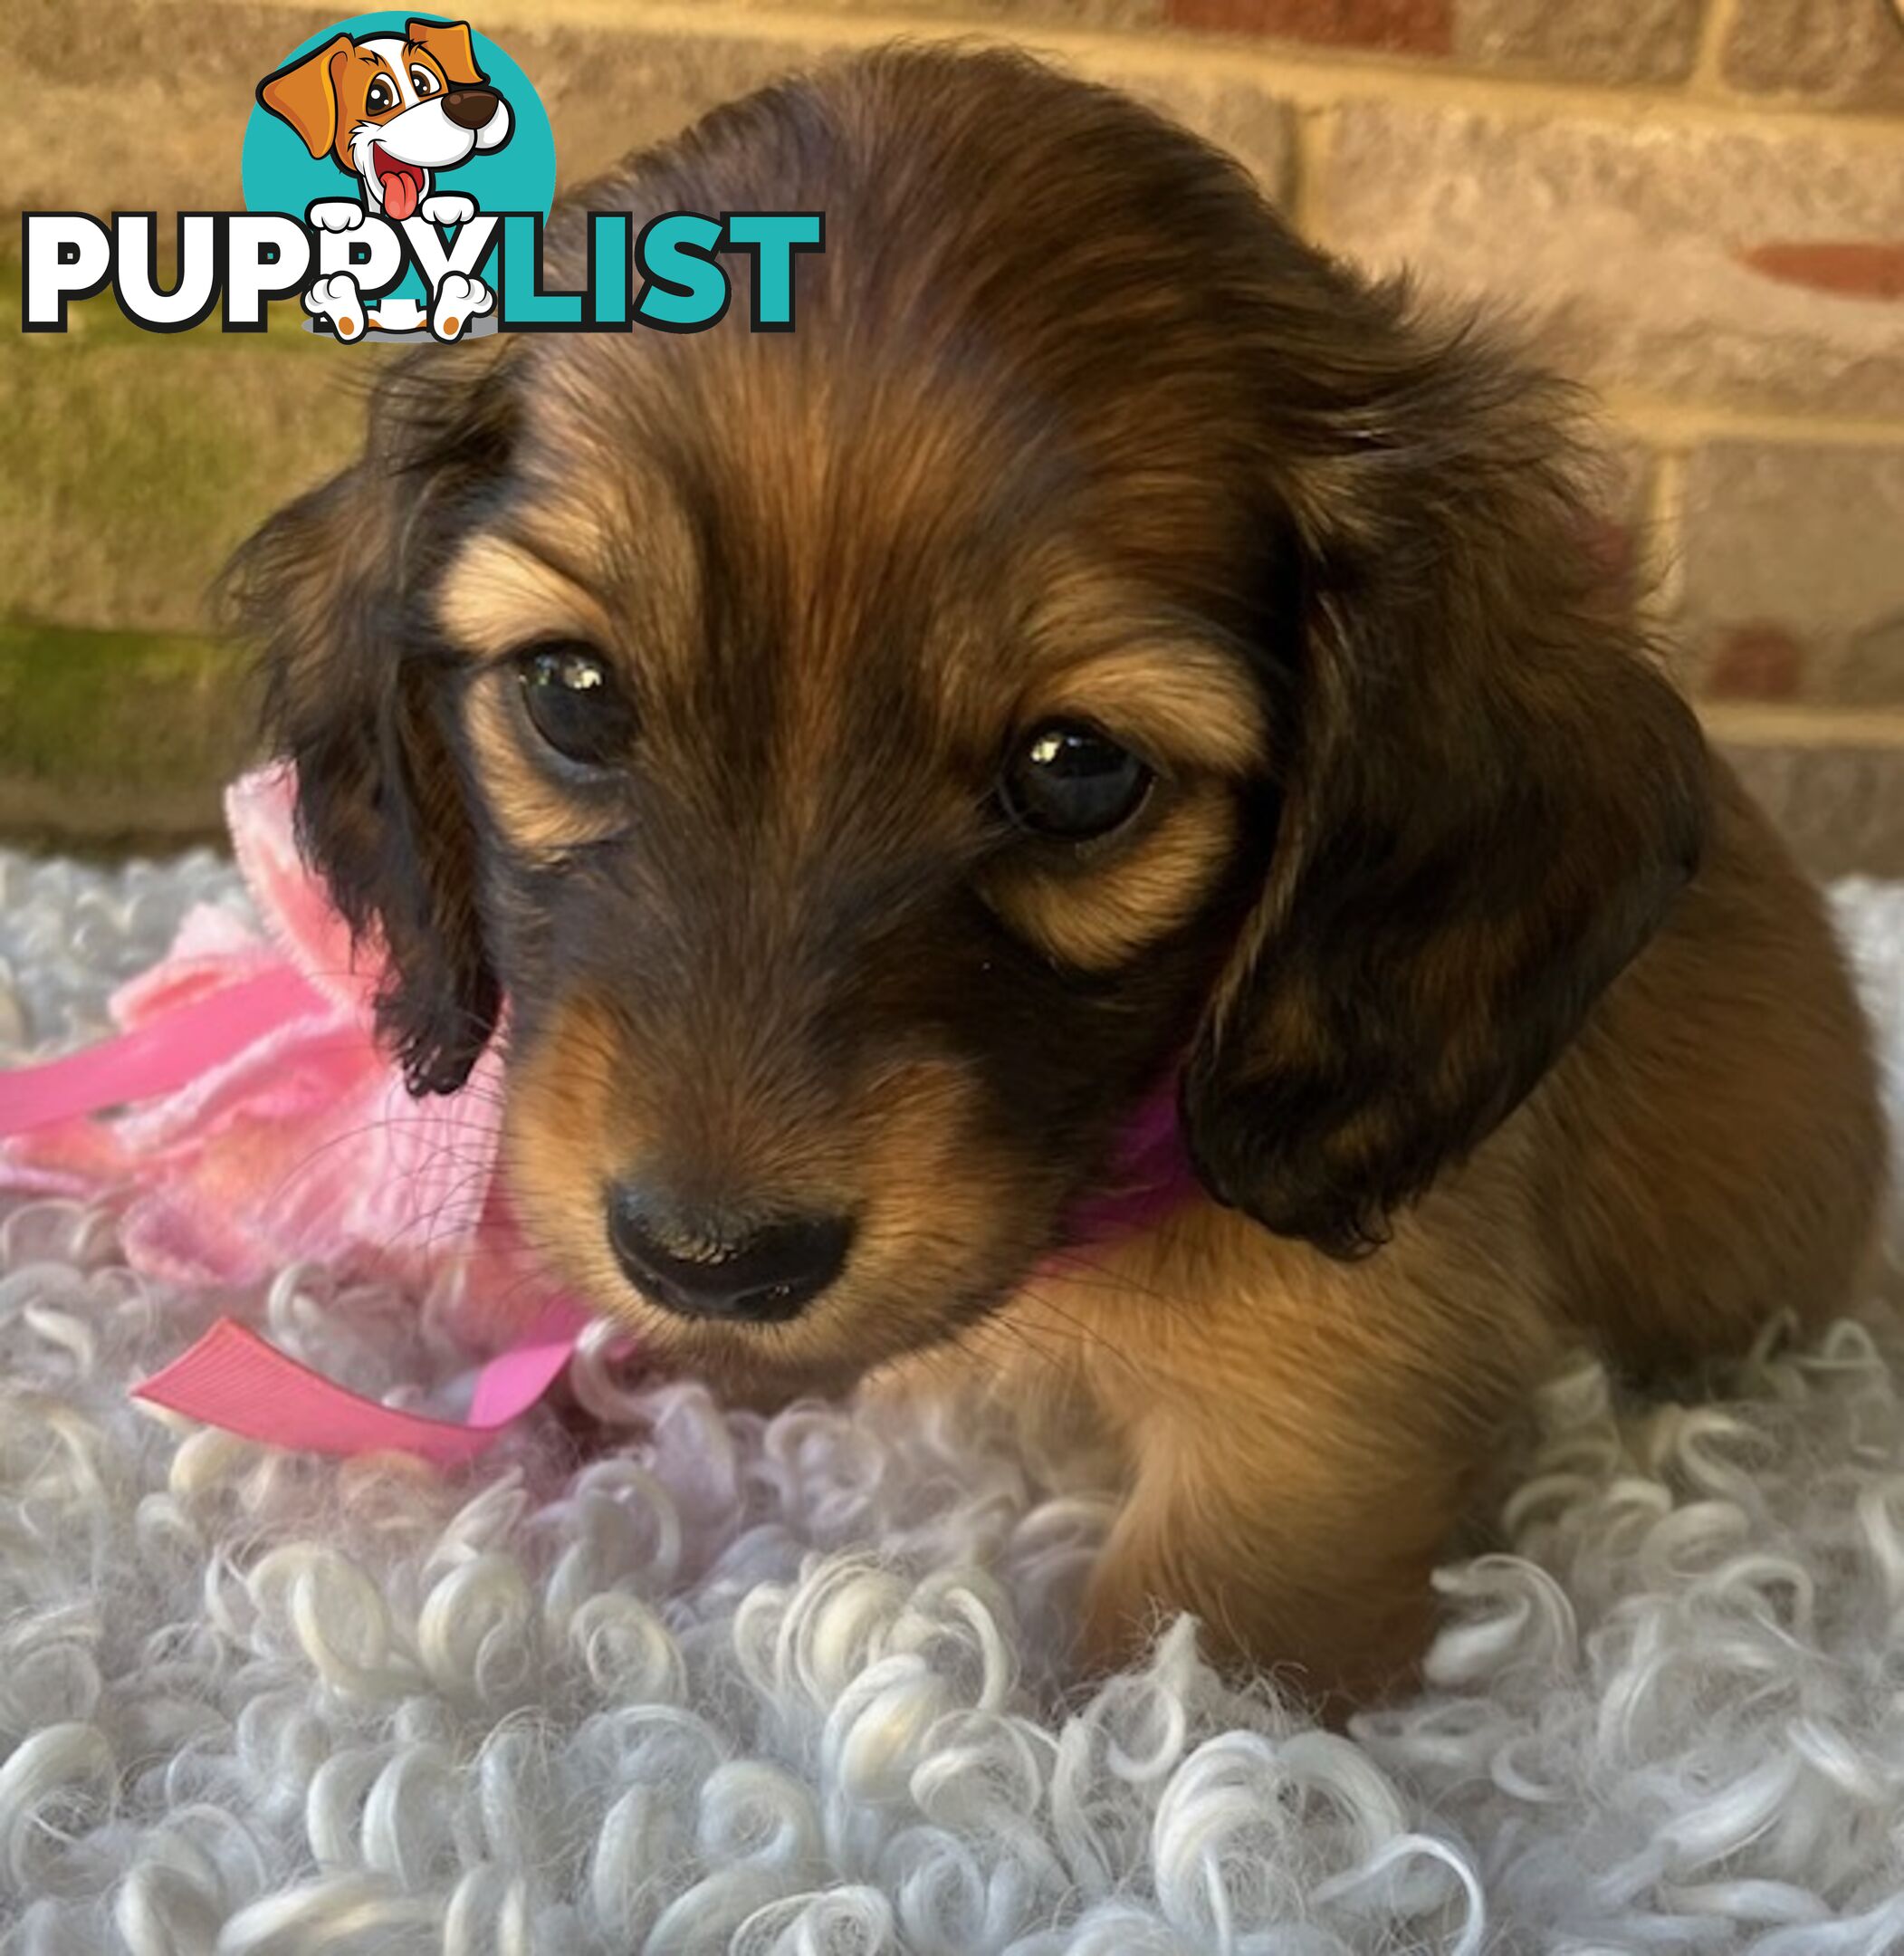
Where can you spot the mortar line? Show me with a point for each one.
(1758, 724)
(1708, 78)
(1664, 541)
(1314, 130)
(1685, 424)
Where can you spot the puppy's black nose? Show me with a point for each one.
(470, 107)
(699, 1267)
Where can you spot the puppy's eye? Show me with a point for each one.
(423, 82)
(575, 703)
(1069, 781)
(379, 96)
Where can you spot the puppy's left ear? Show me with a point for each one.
(1493, 800)
(449, 42)
(304, 94)
(360, 695)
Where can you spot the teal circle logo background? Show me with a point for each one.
(281, 174)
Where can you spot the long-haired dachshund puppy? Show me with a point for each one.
(1105, 643)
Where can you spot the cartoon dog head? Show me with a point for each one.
(391, 110)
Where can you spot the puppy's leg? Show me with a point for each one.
(1306, 1434)
(1306, 1554)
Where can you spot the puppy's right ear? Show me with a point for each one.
(334, 589)
(304, 94)
(450, 42)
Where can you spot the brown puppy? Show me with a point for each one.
(1104, 639)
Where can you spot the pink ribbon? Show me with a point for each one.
(234, 1379)
(160, 1057)
(230, 1041)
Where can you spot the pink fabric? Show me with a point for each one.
(270, 1129)
(160, 1057)
(287, 1139)
(261, 1124)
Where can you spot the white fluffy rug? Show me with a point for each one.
(784, 1686)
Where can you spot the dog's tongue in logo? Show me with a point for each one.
(401, 184)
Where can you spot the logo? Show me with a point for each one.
(398, 172)
(412, 122)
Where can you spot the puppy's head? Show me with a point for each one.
(391, 108)
(1104, 641)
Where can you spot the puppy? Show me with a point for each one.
(394, 111)
(1106, 643)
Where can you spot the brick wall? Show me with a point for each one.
(1697, 205)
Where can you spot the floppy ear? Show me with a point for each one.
(358, 696)
(1493, 800)
(449, 42)
(304, 95)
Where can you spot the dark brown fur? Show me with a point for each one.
(1501, 1016)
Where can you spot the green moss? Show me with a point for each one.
(119, 715)
(134, 469)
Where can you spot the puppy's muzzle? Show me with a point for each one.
(472, 108)
(706, 1266)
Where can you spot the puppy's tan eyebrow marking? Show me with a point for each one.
(1097, 920)
(498, 595)
(1180, 699)
(532, 814)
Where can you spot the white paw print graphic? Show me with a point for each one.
(336, 299)
(336, 213)
(448, 208)
(459, 300)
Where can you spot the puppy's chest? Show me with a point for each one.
(1208, 1308)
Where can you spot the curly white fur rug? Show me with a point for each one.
(784, 1686)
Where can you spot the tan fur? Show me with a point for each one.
(1186, 698)
(532, 811)
(1095, 921)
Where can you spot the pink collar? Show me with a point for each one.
(237, 1054)
(1150, 1176)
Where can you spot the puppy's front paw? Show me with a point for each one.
(448, 208)
(336, 299)
(335, 213)
(458, 300)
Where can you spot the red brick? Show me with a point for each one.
(1759, 662)
(1849, 271)
(1395, 27)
